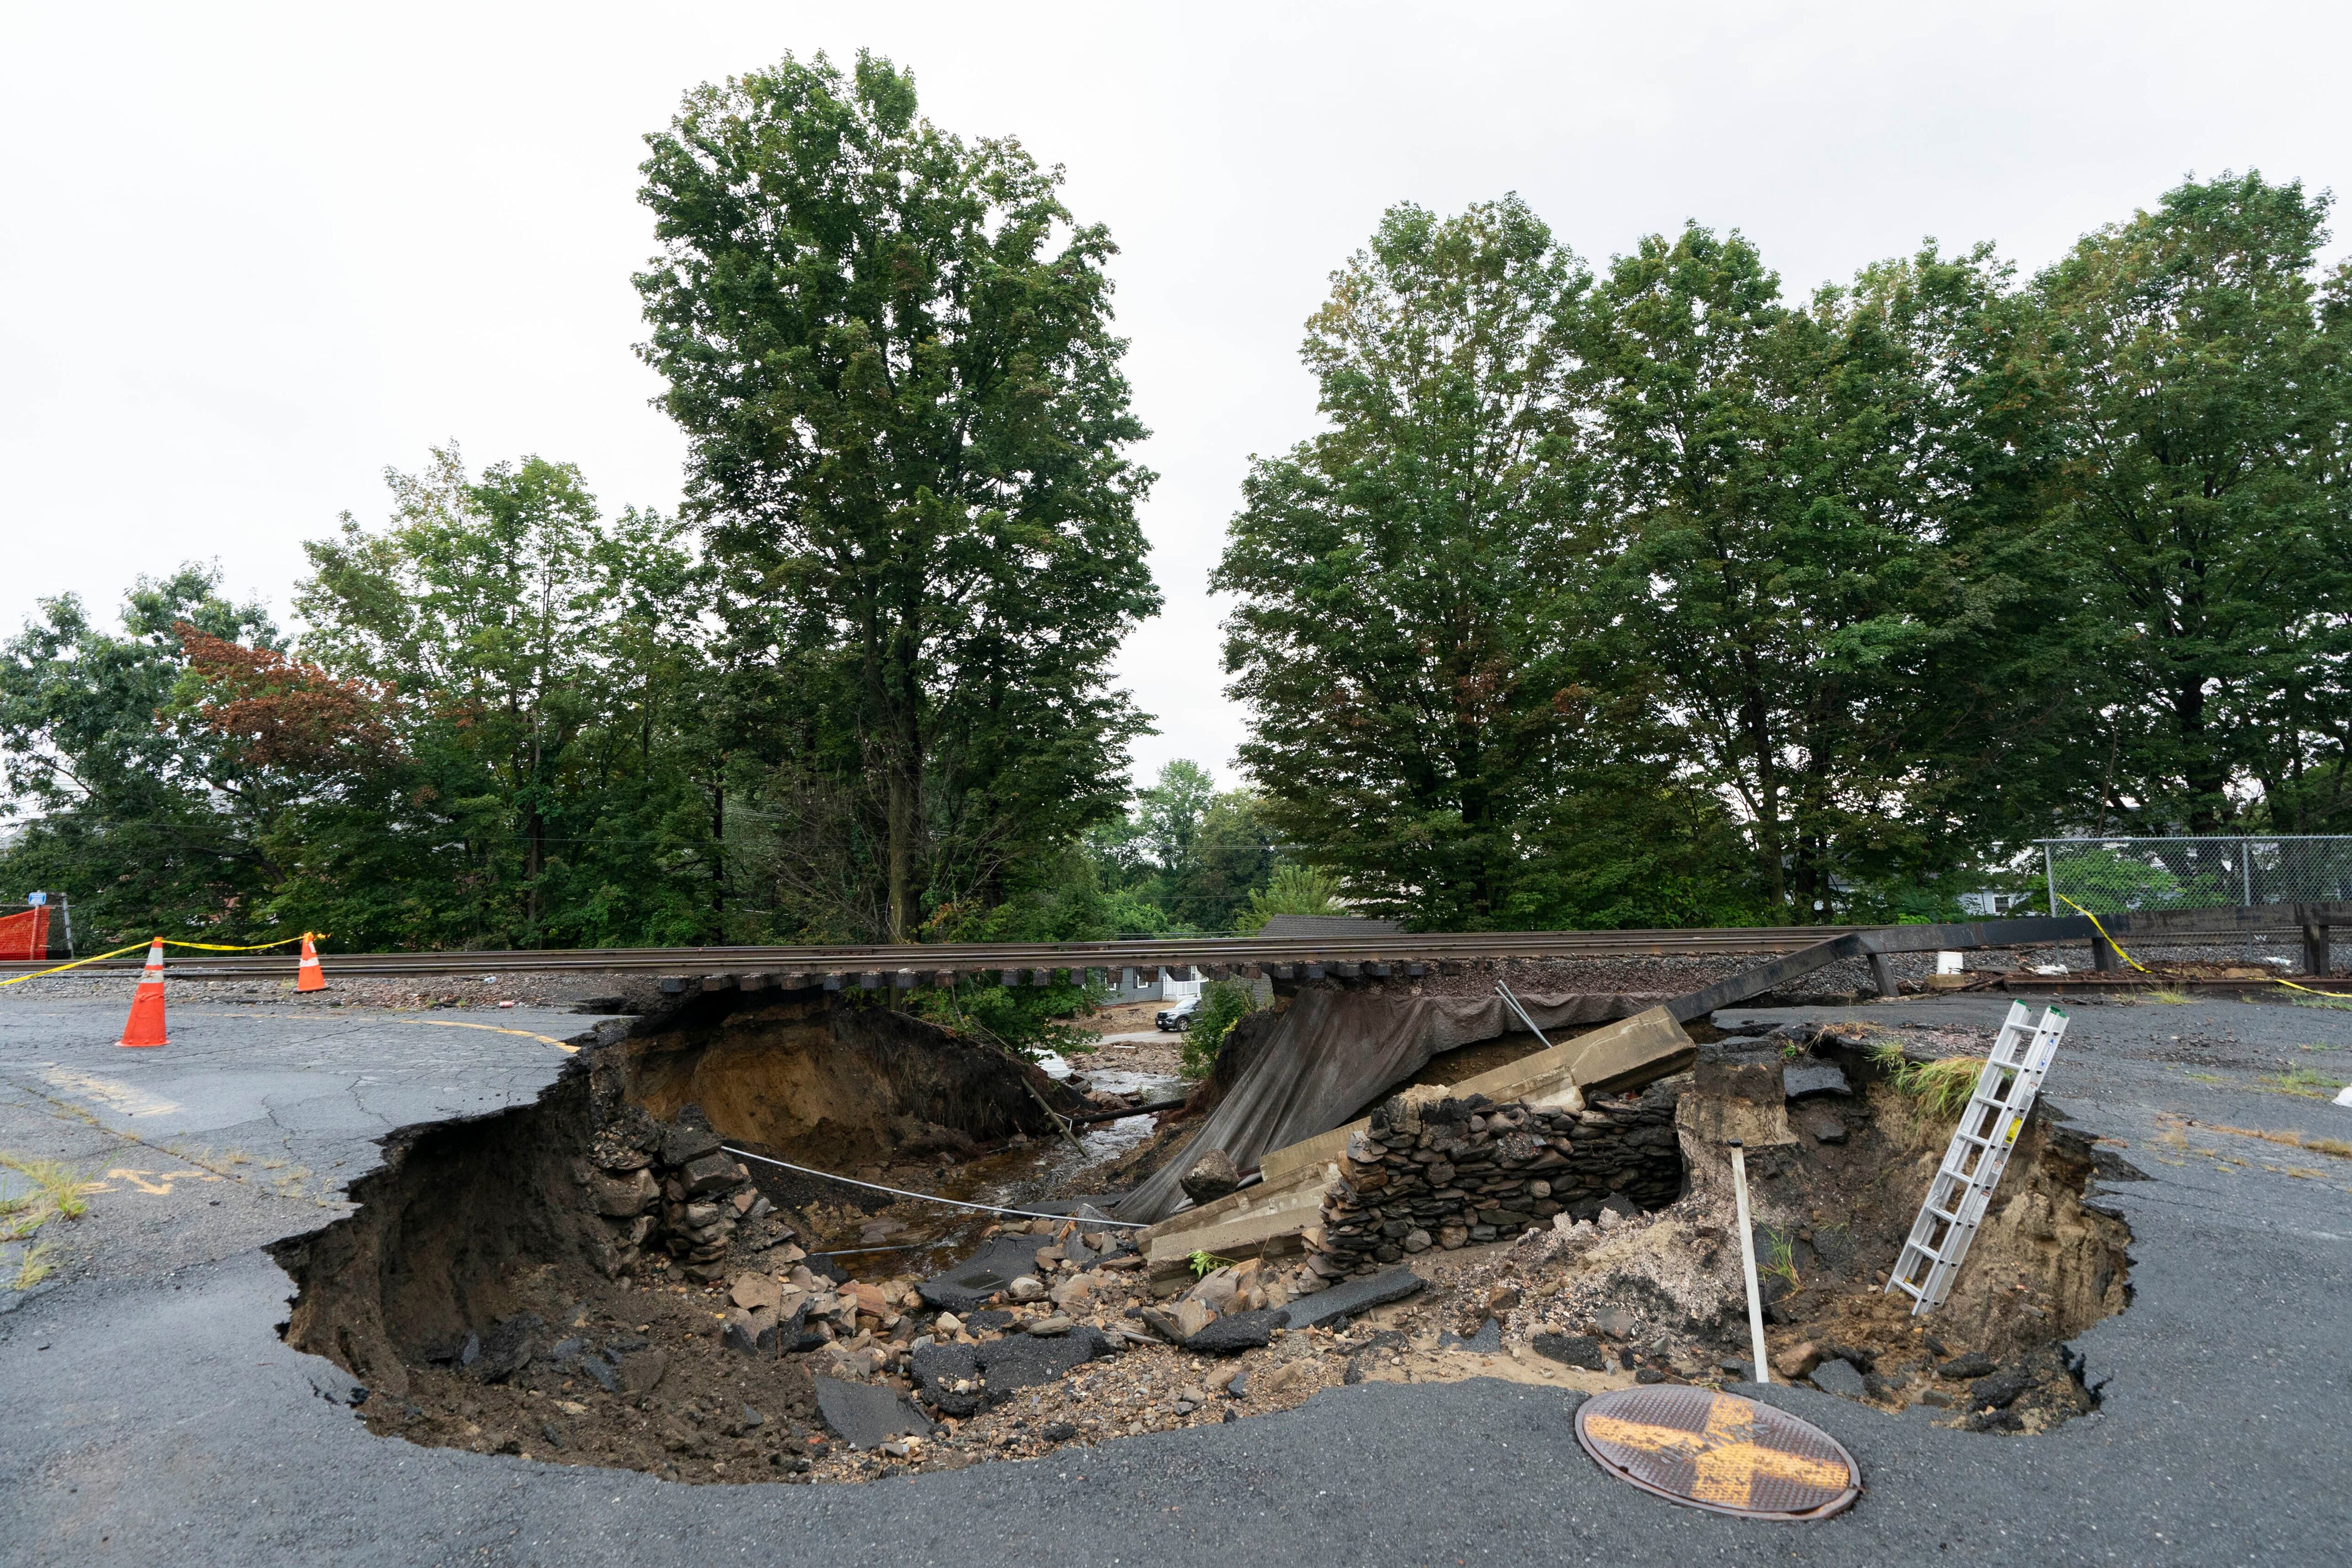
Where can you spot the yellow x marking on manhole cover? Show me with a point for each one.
(1718, 1452)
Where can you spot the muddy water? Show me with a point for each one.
(914, 1238)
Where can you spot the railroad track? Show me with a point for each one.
(901, 965)
(974, 957)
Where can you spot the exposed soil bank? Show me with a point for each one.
(839, 1083)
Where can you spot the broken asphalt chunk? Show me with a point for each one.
(866, 1416)
(1237, 1332)
(1801, 1079)
(1839, 1378)
(1569, 1350)
(1351, 1297)
(995, 1266)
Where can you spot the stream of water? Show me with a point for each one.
(916, 1237)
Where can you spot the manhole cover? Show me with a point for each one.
(1718, 1452)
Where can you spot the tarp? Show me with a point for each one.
(1338, 1049)
(26, 934)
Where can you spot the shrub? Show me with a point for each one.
(1224, 1003)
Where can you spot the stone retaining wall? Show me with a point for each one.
(1447, 1173)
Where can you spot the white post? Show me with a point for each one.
(1747, 1260)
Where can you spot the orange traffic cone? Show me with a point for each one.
(310, 976)
(146, 1025)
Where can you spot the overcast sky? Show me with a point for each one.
(251, 256)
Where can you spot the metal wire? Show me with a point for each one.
(930, 1197)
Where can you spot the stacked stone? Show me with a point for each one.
(675, 1193)
(1455, 1171)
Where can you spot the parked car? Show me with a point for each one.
(1176, 1017)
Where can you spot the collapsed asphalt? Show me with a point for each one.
(152, 1412)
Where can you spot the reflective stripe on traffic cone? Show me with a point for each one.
(309, 977)
(146, 1025)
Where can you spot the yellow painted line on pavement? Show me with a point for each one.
(154, 1184)
(495, 1029)
(121, 1097)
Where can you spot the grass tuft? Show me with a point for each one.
(1779, 1258)
(32, 1268)
(2308, 1083)
(1939, 1089)
(2173, 998)
(59, 1183)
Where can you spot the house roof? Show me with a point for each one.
(1326, 925)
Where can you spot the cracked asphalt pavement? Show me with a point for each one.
(151, 1413)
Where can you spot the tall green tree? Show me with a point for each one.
(549, 664)
(2197, 363)
(1413, 587)
(149, 819)
(1782, 482)
(891, 350)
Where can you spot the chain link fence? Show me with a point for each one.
(2108, 876)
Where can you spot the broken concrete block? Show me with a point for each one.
(1796, 1361)
(688, 1139)
(708, 1174)
(748, 1290)
(1191, 1315)
(623, 1198)
(643, 1370)
(1215, 1288)
(1209, 1177)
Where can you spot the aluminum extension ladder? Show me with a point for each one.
(1979, 1151)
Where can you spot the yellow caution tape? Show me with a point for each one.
(2144, 968)
(2111, 941)
(77, 964)
(256, 947)
(167, 941)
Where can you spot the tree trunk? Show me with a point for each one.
(902, 845)
(1756, 720)
(718, 860)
